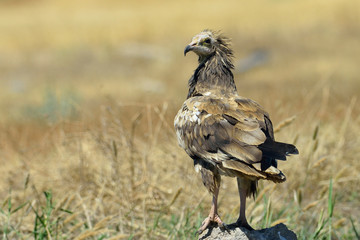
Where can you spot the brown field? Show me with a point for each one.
(89, 90)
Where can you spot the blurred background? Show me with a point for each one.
(89, 90)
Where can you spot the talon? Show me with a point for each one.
(224, 227)
(204, 225)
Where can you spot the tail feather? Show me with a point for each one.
(277, 150)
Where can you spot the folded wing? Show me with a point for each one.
(236, 134)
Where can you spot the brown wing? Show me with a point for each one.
(227, 133)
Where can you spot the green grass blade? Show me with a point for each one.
(19, 207)
(331, 205)
(354, 228)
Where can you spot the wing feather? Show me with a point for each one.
(243, 168)
(228, 131)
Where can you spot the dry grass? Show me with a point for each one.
(88, 95)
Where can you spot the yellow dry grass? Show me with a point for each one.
(88, 95)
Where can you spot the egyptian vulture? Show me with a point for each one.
(224, 133)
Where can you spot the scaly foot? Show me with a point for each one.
(211, 219)
(244, 224)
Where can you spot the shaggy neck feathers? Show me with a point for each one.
(213, 75)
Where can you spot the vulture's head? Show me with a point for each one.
(207, 43)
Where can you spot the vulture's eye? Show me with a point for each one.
(207, 40)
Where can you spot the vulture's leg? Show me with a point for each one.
(245, 187)
(211, 181)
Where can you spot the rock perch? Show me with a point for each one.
(278, 232)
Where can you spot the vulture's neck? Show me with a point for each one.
(213, 76)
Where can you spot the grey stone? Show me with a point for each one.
(233, 232)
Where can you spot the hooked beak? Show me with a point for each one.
(189, 48)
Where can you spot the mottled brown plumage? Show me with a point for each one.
(224, 133)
